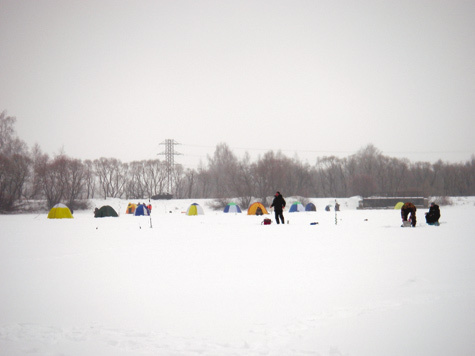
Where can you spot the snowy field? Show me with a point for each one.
(223, 284)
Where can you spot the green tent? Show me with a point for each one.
(105, 211)
(398, 205)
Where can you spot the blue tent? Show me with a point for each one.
(141, 210)
(296, 207)
(232, 208)
(310, 207)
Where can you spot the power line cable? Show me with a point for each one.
(328, 151)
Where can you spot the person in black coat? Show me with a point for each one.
(278, 204)
(432, 217)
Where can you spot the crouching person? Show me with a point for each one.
(408, 208)
(432, 217)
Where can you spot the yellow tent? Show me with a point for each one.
(60, 211)
(195, 209)
(131, 208)
(398, 205)
(254, 208)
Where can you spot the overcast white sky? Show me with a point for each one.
(311, 78)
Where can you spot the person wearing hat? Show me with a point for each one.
(278, 204)
(432, 217)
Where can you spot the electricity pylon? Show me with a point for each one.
(170, 158)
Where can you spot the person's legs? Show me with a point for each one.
(413, 219)
(282, 217)
(405, 213)
(277, 216)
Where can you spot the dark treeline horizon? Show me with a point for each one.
(30, 174)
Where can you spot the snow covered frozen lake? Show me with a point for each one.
(223, 284)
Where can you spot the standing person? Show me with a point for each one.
(433, 216)
(278, 204)
(406, 209)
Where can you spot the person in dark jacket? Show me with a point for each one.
(406, 209)
(278, 204)
(432, 217)
(337, 206)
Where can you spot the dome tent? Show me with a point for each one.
(105, 211)
(232, 208)
(296, 207)
(194, 209)
(398, 205)
(310, 207)
(257, 209)
(131, 208)
(141, 210)
(60, 211)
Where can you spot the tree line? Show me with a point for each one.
(29, 174)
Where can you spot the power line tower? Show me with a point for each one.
(170, 158)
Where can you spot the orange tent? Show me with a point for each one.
(254, 208)
(131, 208)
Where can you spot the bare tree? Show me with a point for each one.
(222, 167)
(420, 175)
(185, 184)
(146, 178)
(90, 179)
(10, 144)
(75, 182)
(178, 176)
(203, 186)
(272, 172)
(305, 180)
(363, 185)
(242, 182)
(470, 176)
(112, 174)
(135, 188)
(50, 177)
(14, 163)
(330, 173)
(155, 176)
(14, 171)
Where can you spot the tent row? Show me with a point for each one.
(258, 208)
(61, 211)
(138, 209)
(255, 208)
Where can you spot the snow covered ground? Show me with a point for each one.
(222, 284)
